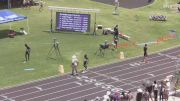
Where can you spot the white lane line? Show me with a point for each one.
(107, 79)
(54, 92)
(60, 96)
(131, 67)
(72, 78)
(88, 95)
(151, 74)
(97, 76)
(34, 86)
(39, 88)
(148, 72)
(141, 70)
(147, 68)
(133, 62)
(137, 76)
(119, 86)
(171, 50)
(78, 86)
(137, 67)
(6, 98)
(44, 89)
(139, 81)
(92, 77)
(85, 95)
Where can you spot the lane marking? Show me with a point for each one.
(79, 86)
(116, 76)
(171, 50)
(39, 88)
(50, 82)
(106, 90)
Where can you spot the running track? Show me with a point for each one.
(127, 75)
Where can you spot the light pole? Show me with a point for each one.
(9, 4)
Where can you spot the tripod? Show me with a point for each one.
(54, 48)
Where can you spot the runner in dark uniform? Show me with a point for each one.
(145, 53)
(85, 61)
(27, 52)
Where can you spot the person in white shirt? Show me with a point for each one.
(74, 65)
(116, 4)
(155, 88)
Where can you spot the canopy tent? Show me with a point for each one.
(7, 16)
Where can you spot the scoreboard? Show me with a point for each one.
(72, 22)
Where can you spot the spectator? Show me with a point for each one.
(166, 90)
(149, 89)
(107, 96)
(129, 96)
(155, 89)
(146, 95)
(139, 95)
(161, 91)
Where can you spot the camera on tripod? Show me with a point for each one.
(54, 49)
(55, 43)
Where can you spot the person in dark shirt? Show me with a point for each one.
(155, 88)
(145, 53)
(86, 60)
(116, 32)
(27, 52)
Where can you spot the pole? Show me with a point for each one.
(9, 4)
(51, 27)
(94, 32)
(28, 26)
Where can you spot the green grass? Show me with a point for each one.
(12, 49)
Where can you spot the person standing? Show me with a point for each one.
(27, 53)
(139, 95)
(145, 53)
(155, 88)
(41, 5)
(116, 32)
(74, 65)
(116, 4)
(161, 91)
(116, 43)
(85, 62)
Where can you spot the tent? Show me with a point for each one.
(7, 16)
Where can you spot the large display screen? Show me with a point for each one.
(72, 22)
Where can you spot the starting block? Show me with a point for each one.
(61, 69)
(121, 55)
